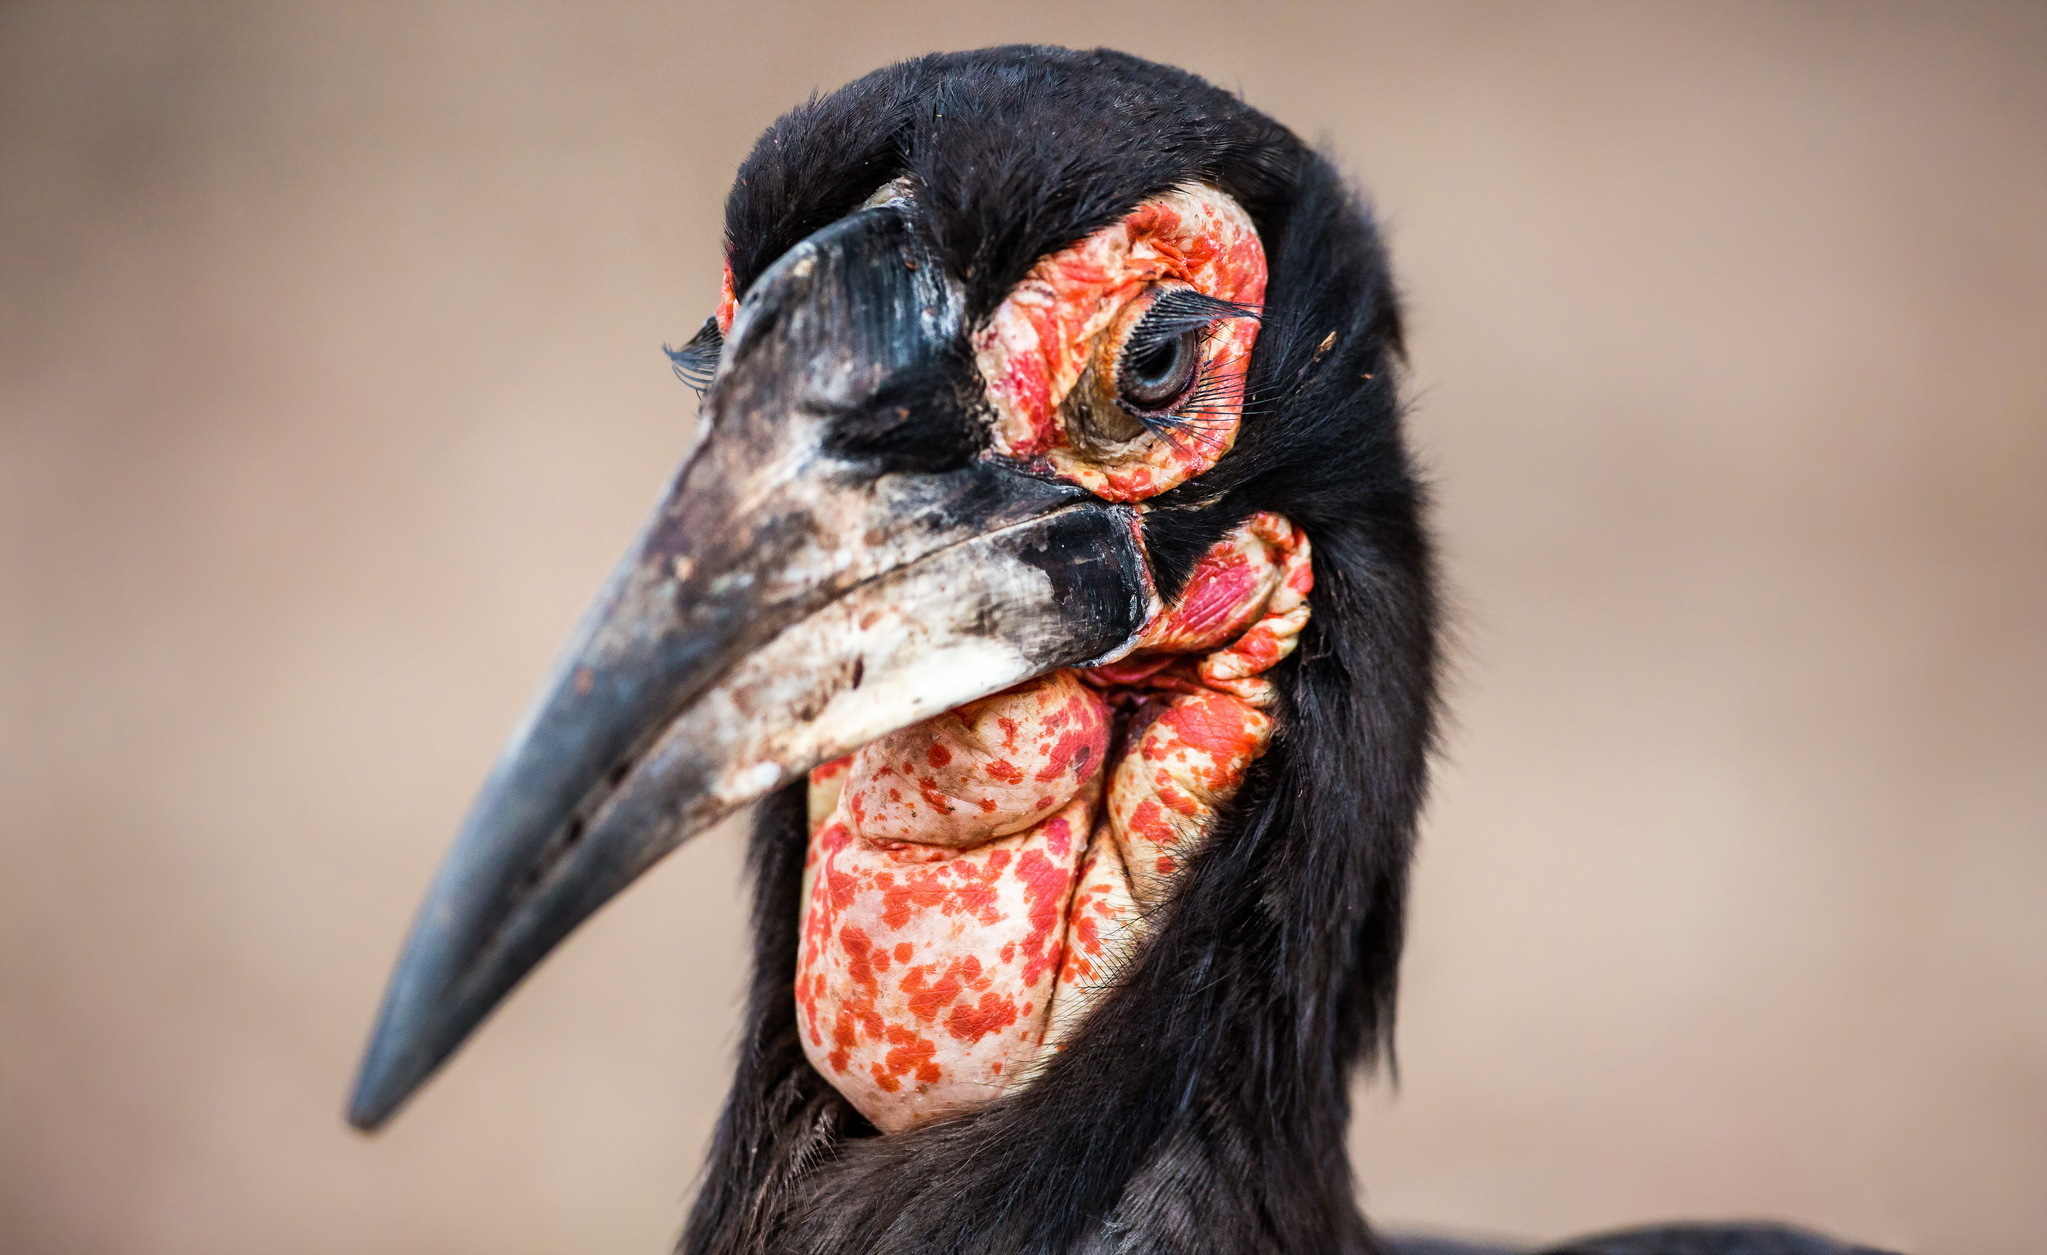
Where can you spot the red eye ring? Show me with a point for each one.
(1054, 352)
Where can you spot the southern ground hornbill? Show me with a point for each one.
(1051, 570)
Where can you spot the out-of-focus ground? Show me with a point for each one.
(330, 386)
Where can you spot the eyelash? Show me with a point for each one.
(1214, 398)
(697, 361)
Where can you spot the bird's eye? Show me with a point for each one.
(1137, 383)
(1155, 370)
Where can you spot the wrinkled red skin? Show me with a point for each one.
(1075, 308)
(974, 883)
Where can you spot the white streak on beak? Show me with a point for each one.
(895, 651)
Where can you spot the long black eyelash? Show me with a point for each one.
(697, 361)
(1215, 401)
(1216, 397)
(1177, 312)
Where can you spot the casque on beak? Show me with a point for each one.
(791, 599)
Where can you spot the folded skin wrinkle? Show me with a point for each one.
(1069, 319)
(974, 881)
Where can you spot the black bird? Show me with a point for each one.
(1024, 353)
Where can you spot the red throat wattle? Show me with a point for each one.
(975, 882)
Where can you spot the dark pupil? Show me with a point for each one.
(1154, 375)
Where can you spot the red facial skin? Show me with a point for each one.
(728, 302)
(953, 933)
(1075, 307)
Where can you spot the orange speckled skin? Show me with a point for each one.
(1075, 307)
(983, 770)
(974, 883)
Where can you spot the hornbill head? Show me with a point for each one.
(1050, 568)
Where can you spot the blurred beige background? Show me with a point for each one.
(330, 386)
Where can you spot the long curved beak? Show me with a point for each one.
(787, 603)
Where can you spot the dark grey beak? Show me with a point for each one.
(791, 599)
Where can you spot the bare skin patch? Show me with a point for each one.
(975, 882)
(1051, 351)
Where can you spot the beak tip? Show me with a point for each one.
(364, 1118)
(390, 1072)
(377, 1094)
